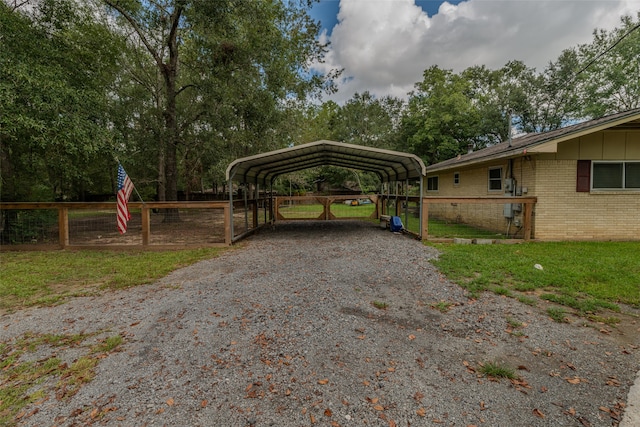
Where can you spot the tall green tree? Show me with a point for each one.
(442, 118)
(611, 73)
(367, 120)
(55, 86)
(228, 69)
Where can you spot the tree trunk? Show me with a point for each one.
(169, 72)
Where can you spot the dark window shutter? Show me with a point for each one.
(583, 182)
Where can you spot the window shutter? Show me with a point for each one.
(583, 181)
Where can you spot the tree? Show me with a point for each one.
(442, 119)
(54, 99)
(367, 120)
(228, 70)
(611, 70)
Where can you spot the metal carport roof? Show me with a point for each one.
(388, 165)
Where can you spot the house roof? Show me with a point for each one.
(388, 165)
(544, 142)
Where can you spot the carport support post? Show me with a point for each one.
(271, 219)
(389, 199)
(254, 205)
(246, 207)
(230, 217)
(397, 199)
(406, 203)
(423, 224)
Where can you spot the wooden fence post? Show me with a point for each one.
(424, 227)
(228, 238)
(63, 227)
(527, 214)
(146, 225)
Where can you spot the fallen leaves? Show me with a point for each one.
(613, 381)
(538, 413)
(470, 368)
(324, 381)
(421, 412)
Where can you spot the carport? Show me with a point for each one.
(261, 170)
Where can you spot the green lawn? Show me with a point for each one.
(340, 210)
(40, 278)
(586, 276)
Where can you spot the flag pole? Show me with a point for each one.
(136, 190)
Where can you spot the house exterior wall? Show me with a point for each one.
(474, 182)
(561, 212)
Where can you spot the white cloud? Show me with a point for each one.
(385, 45)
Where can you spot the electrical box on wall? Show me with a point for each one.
(508, 210)
(509, 183)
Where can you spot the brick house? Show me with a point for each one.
(586, 178)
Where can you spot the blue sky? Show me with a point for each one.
(384, 46)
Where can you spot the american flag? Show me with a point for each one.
(125, 187)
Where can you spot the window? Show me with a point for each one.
(495, 179)
(456, 178)
(432, 183)
(615, 175)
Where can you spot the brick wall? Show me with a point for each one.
(564, 214)
(474, 182)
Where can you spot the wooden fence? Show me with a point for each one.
(93, 225)
(194, 223)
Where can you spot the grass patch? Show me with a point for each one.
(501, 290)
(527, 300)
(442, 306)
(515, 327)
(586, 276)
(514, 323)
(558, 314)
(313, 210)
(47, 278)
(439, 229)
(26, 381)
(611, 320)
(380, 305)
(584, 305)
(497, 370)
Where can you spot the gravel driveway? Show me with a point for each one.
(329, 324)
